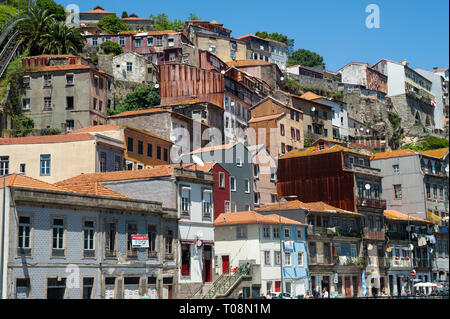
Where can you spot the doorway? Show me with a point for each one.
(225, 264)
(348, 287)
(207, 264)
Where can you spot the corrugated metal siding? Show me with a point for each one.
(317, 178)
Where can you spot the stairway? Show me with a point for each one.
(223, 285)
(9, 52)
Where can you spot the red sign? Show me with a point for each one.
(413, 273)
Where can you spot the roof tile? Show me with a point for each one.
(251, 217)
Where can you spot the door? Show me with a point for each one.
(225, 264)
(348, 287)
(391, 285)
(207, 264)
(399, 287)
(300, 288)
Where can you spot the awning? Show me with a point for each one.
(433, 217)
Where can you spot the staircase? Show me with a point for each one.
(223, 285)
(9, 52)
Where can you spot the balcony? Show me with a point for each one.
(340, 231)
(397, 262)
(132, 253)
(349, 261)
(397, 236)
(371, 202)
(421, 262)
(373, 235)
(366, 170)
(435, 173)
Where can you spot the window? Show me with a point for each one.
(321, 146)
(94, 41)
(58, 236)
(221, 180)
(277, 258)
(88, 285)
(117, 163)
(185, 200)
(131, 230)
(238, 162)
(292, 133)
(241, 232)
(376, 191)
(287, 233)
(129, 67)
(169, 241)
(130, 165)
(212, 49)
(94, 103)
(309, 129)
(69, 79)
(282, 129)
(297, 116)
(247, 185)
(266, 231)
(185, 260)
(56, 289)
(140, 147)
(122, 41)
(149, 150)
(24, 232)
(89, 232)
(257, 197)
(158, 152)
(227, 205)
(232, 183)
(378, 223)
(283, 148)
(276, 232)
(299, 234)
(138, 43)
(102, 162)
(26, 82)
(267, 260)
(22, 168)
(69, 102)
(47, 79)
(287, 259)
(441, 192)
(273, 198)
(22, 288)
(351, 159)
(47, 103)
(172, 57)
(273, 174)
(158, 41)
(207, 200)
(150, 41)
(300, 255)
(256, 171)
(297, 134)
(25, 104)
(100, 106)
(325, 115)
(110, 239)
(130, 144)
(428, 190)
(434, 191)
(396, 169)
(45, 165)
(166, 155)
(151, 231)
(361, 161)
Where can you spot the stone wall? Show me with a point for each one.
(308, 81)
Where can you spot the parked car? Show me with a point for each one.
(284, 295)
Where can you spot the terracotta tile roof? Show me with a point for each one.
(97, 10)
(140, 112)
(161, 32)
(157, 171)
(265, 118)
(393, 214)
(242, 63)
(314, 206)
(96, 128)
(64, 67)
(440, 70)
(65, 138)
(311, 96)
(49, 56)
(438, 153)
(213, 148)
(19, 180)
(206, 168)
(310, 151)
(329, 140)
(252, 36)
(135, 19)
(392, 154)
(252, 217)
(188, 102)
(94, 189)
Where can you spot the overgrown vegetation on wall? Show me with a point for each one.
(428, 143)
(294, 87)
(143, 97)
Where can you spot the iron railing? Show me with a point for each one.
(224, 283)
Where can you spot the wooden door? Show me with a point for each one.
(225, 264)
(348, 287)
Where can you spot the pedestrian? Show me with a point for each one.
(308, 295)
(268, 295)
(262, 296)
(241, 296)
(145, 296)
(316, 294)
(324, 293)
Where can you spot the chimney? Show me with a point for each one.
(405, 63)
(435, 68)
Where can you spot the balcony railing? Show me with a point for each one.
(371, 202)
(397, 236)
(400, 262)
(362, 169)
(434, 172)
(349, 261)
(339, 231)
(373, 235)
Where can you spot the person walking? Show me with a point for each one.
(324, 293)
(268, 295)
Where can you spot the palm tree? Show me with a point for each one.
(61, 39)
(33, 27)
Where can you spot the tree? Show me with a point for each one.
(124, 14)
(61, 39)
(143, 97)
(58, 11)
(305, 58)
(277, 37)
(112, 23)
(193, 16)
(111, 47)
(163, 23)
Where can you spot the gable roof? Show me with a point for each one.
(96, 128)
(64, 138)
(248, 62)
(311, 96)
(205, 168)
(438, 153)
(214, 148)
(265, 118)
(396, 215)
(313, 206)
(278, 102)
(310, 151)
(392, 154)
(251, 217)
(140, 112)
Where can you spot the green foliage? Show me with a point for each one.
(124, 14)
(22, 125)
(58, 11)
(193, 16)
(61, 39)
(429, 143)
(292, 86)
(395, 120)
(277, 37)
(112, 23)
(50, 131)
(111, 47)
(143, 97)
(309, 140)
(305, 58)
(163, 23)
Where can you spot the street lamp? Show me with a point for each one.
(281, 237)
(3, 231)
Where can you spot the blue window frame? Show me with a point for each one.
(45, 164)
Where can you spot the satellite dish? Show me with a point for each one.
(198, 160)
(446, 169)
(368, 131)
(223, 71)
(361, 129)
(282, 78)
(173, 139)
(313, 109)
(156, 86)
(367, 186)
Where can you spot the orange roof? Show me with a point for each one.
(49, 56)
(158, 32)
(312, 151)
(393, 214)
(438, 153)
(97, 10)
(311, 96)
(140, 112)
(205, 168)
(314, 206)
(213, 148)
(65, 138)
(242, 63)
(265, 118)
(96, 128)
(19, 180)
(157, 171)
(392, 154)
(189, 101)
(252, 217)
(253, 36)
(329, 140)
(135, 19)
(440, 70)
(64, 67)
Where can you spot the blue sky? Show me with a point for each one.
(417, 31)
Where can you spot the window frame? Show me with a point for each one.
(94, 238)
(64, 236)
